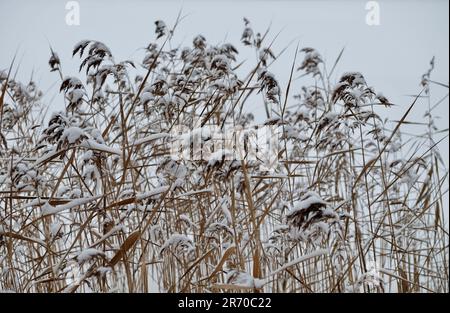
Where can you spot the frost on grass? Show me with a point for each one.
(112, 189)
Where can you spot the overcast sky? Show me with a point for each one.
(392, 56)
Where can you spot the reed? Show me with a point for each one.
(92, 199)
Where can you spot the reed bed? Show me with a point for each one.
(96, 199)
